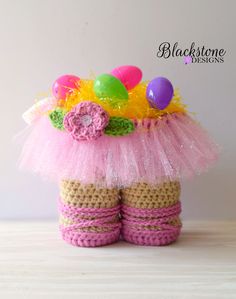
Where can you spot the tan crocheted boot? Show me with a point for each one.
(150, 214)
(89, 216)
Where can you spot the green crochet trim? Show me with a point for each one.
(57, 117)
(119, 126)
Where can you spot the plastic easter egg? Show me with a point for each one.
(129, 75)
(108, 86)
(64, 85)
(159, 93)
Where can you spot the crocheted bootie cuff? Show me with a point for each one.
(89, 217)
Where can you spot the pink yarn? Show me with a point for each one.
(161, 213)
(102, 218)
(86, 121)
(171, 148)
(72, 212)
(150, 238)
(90, 239)
(136, 224)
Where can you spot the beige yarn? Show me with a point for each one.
(140, 195)
(174, 222)
(87, 196)
(66, 222)
(145, 196)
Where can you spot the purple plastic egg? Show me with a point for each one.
(159, 93)
(64, 85)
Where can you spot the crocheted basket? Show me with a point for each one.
(118, 147)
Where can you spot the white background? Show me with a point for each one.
(40, 40)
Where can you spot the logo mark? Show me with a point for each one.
(188, 59)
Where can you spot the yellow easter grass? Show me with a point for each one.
(137, 106)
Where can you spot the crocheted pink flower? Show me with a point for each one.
(86, 121)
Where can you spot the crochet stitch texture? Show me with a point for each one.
(119, 147)
(119, 126)
(57, 117)
(91, 216)
(86, 121)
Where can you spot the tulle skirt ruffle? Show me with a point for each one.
(171, 148)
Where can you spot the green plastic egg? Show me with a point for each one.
(108, 86)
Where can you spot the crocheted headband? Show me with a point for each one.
(114, 131)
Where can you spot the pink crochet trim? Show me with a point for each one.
(136, 225)
(103, 218)
(83, 239)
(86, 121)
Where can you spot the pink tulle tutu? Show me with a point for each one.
(170, 148)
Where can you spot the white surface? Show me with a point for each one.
(41, 40)
(35, 263)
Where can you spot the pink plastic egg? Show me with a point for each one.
(64, 85)
(129, 75)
